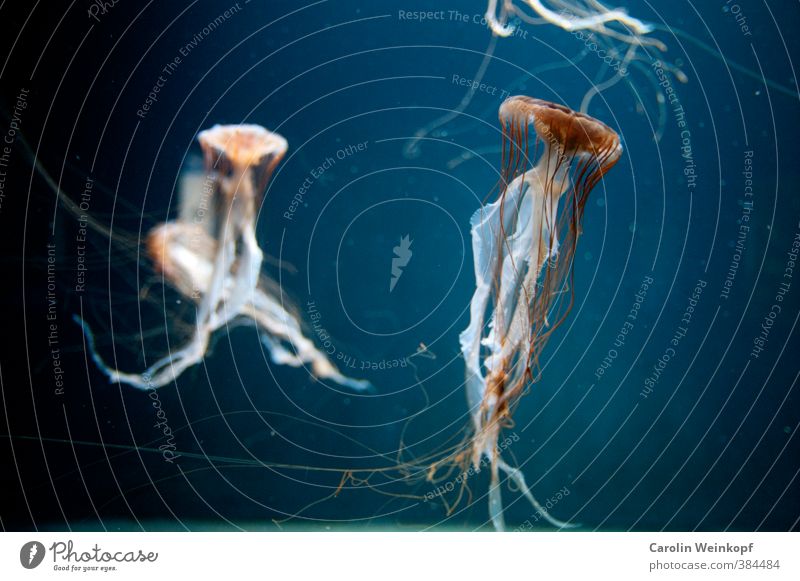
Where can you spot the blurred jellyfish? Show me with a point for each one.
(613, 32)
(568, 15)
(523, 246)
(210, 255)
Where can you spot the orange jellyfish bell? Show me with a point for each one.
(237, 149)
(523, 246)
(573, 135)
(244, 145)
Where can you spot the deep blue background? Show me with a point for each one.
(713, 447)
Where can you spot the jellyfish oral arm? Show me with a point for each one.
(202, 276)
(516, 235)
(567, 19)
(593, 22)
(163, 371)
(214, 260)
(516, 475)
(280, 327)
(497, 27)
(213, 308)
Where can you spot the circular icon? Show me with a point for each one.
(31, 554)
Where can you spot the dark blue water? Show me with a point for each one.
(666, 400)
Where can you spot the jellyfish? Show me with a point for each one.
(523, 246)
(210, 255)
(567, 15)
(613, 31)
